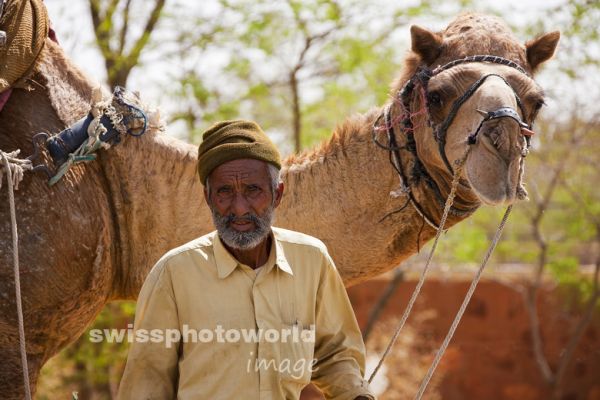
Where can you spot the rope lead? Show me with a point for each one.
(9, 165)
(413, 298)
(463, 306)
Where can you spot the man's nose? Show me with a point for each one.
(239, 205)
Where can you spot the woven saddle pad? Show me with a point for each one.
(26, 25)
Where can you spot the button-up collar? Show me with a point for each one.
(226, 262)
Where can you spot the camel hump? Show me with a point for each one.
(26, 25)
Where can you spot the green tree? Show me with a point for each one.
(112, 20)
(297, 67)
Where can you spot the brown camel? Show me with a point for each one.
(94, 236)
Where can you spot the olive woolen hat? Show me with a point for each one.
(232, 140)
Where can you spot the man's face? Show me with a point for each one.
(242, 202)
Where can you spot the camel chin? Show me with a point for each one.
(493, 178)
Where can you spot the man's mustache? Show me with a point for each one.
(244, 218)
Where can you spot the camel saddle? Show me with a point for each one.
(24, 27)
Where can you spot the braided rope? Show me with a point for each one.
(480, 58)
(413, 298)
(9, 166)
(463, 307)
(14, 168)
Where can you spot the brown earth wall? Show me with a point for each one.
(491, 355)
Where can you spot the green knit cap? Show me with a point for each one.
(232, 140)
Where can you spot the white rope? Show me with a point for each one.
(417, 290)
(13, 164)
(463, 307)
(100, 106)
(14, 168)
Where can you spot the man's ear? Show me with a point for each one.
(279, 194)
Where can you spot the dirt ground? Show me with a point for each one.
(491, 354)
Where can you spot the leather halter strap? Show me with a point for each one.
(441, 130)
(422, 77)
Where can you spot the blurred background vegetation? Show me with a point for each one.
(300, 68)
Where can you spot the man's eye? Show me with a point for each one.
(253, 188)
(224, 190)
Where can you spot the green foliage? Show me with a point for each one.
(340, 64)
(93, 369)
(564, 270)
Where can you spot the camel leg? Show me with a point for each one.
(11, 373)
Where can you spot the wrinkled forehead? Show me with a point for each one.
(464, 75)
(243, 170)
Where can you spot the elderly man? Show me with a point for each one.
(249, 311)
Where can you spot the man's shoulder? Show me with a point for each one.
(199, 244)
(176, 259)
(298, 238)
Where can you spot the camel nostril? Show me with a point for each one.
(494, 135)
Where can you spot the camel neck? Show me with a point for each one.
(358, 209)
(158, 202)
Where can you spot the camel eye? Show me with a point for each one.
(434, 99)
(538, 105)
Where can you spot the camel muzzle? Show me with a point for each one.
(502, 112)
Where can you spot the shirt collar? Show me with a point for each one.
(226, 263)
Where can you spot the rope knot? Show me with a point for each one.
(13, 167)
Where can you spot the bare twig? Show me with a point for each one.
(382, 302)
(584, 322)
(542, 202)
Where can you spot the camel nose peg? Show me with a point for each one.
(527, 131)
(483, 113)
(2, 38)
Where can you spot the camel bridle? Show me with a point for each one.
(424, 74)
(422, 77)
(405, 95)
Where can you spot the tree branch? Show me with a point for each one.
(584, 322)
(382, 302)
(125, 26)
(134, 55)
(542, 202)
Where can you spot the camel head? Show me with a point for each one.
(488, 103)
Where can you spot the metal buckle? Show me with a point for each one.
(503, 112)
(2, 33)
(2, 5)
(40, 137)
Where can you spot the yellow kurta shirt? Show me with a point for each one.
(296, 306)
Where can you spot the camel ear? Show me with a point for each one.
(541, 49)
(425, 43)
